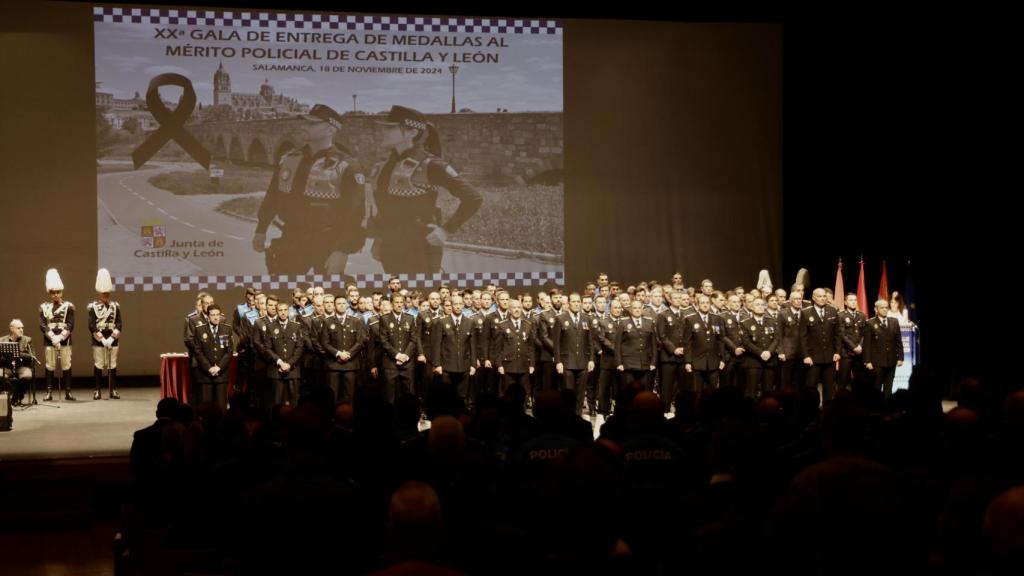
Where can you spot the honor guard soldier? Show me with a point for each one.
(105, 324)
(317, 193)
(852, 322)
(398, 338)
(574, 352)
(57, 321)
(516, 345)
(760, 337)
(883, 347)
(410, 235)
(820, 341)
(342, 338)
(704, 345)
(214, 346)
(453, 348)
(283, 346)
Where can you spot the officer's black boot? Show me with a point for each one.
(112, 385)
(97, 377)
(67, 386)
(49, 386)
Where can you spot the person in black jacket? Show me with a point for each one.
(214, 345)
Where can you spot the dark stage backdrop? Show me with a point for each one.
(672, 145)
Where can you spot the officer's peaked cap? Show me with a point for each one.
(325, 113)
(406, 117)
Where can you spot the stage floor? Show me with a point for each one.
(85, 428)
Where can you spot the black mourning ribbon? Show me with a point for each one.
(172, 122)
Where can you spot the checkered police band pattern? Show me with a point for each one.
(237, 18)
(269, 282)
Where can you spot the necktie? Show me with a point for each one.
(821, 314)
(457, 321)
(636, 322)
(517, 326)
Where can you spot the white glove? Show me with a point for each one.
(55, 340)
(108, 342)
(259, 242)
(438, 236)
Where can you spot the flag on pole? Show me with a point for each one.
(862, 293)
(883, 286)
(838, 295)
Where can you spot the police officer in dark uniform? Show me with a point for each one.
(425, 320)
(704, 345)
(283, 346)
(608, 375)
(342, 338)
(242, 319)
(374, 352)
(453, 350)
(490, 344)
(546, 319)
(214, 346)
(105, 324)
(261, 392)
(317, 193)
(636, 347)
(790, 361)
(760, 338)
(671, 329)
(195, 319)
(852, 322)
(820, 341)
(400, 343)
(732, 316)
(574, 353)
(314, 356)
(516, 345)
(410, 235)
(883, 347)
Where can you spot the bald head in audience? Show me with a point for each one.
(415, 521)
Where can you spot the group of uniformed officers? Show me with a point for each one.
(665, 337)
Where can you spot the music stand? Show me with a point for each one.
(10, 354)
